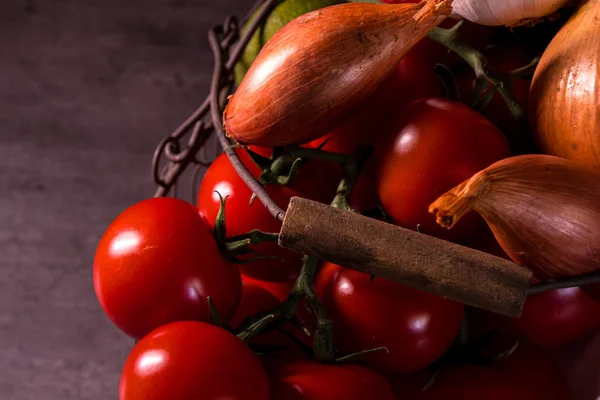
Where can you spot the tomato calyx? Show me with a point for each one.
(215, 318)
(351, 169)
(451, 39)
(238, 245)
(447, 82)
(323, 345)
(303, 288)
(285, 162)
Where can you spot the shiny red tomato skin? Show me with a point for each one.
(157, 263)
(558, 317)
(281, 290)
(527, 374)
(316, 180)
(309, 380)
(550, 319)
(412, 79)
(189, 361)
(415, 326)
(437, 145)
(593, 291)
(255, 299)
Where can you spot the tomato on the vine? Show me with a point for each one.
(503, 59)
(192, 360)
(158, 263)
(593, 291)
(557, 317)
(283, 340)
(437, 144)
(415, 326)
(474, 35)
(412, 79)
(527, 374)
(255, 299)
(309, 380)
(549, 319)
(315, 180)
(281, 290)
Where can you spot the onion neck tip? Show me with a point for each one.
(433, 8)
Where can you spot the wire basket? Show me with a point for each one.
(194, 144)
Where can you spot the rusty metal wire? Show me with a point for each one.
(206, 120)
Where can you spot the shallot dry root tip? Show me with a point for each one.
(442, 218)
(433, 8)
(543, 210)
(454, 204)
(449, 209)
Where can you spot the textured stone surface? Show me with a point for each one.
(87, 89)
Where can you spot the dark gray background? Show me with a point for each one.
(87, 89)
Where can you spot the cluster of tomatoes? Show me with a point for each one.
(159, 272)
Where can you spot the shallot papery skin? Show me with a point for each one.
(543, 210)
(315, 72)
(564, 107)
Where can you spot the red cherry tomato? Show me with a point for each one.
(280, 290)
(255, 299)
(549, 319)
(192, 360)
(413, 78)
(309, 380)
(437, 144)
(593, 291)
(157, 263)
(410, 386)
(315, 180)
(557, 317)
(415, 326)
(503, 59)
(527, 374)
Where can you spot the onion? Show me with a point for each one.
(542, 209)
(565, 93)
(505, 12)
(315, 72)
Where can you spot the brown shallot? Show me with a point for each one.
(543, 210)
(315, 72)
(565, 93)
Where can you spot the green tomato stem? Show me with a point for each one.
(451, 39)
